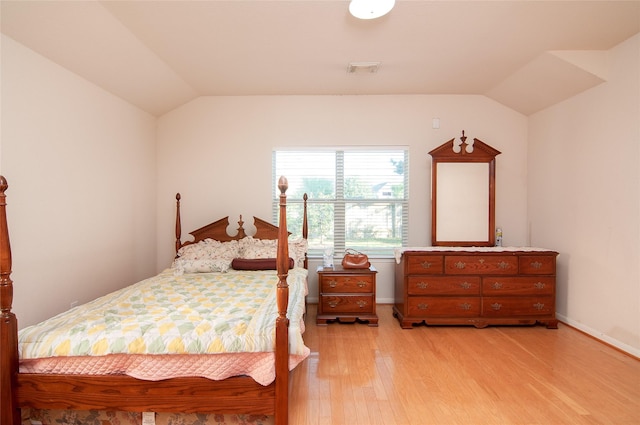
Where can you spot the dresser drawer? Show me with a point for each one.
(443, 285)
(444, 306)
(347, 304)
(347, 283)
(518, 306)
(424, 264)
(508, 285)
(537, 264)
(481, 264)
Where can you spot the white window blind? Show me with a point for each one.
(358, 198)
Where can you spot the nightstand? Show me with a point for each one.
(347, 295)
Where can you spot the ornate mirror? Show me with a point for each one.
(463, 193)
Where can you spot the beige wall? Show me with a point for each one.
(216, 151)
(80, 164)
(584, 200)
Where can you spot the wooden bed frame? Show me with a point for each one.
(125, 393)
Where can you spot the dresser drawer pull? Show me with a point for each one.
(538, 306)
(496, 306)
(333, 304)
(422, 306)
(460, 265)
(465, 306)
(535, 265)
(496, 285)
(361, 284)
(361, 303)
(539, 285)
(422, 285)
(426, 264)
(465, 285)
(503, 265)
(333, 283)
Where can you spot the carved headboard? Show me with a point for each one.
(218, 229)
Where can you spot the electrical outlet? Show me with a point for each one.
(148, 418)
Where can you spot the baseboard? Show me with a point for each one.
(627, 349)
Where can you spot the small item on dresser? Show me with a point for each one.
(355, 260)
(327, 258)
(498, 236)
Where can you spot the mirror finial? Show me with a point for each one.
(457, 145)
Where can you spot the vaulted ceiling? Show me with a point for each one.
(160, 54)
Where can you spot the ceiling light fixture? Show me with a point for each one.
(370, 9)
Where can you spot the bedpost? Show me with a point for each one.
(9, 413)
(178, 224)
(305, 227)
(282, 322)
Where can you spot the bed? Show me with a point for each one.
(24, 386)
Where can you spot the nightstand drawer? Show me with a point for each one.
(347, 283)
(353, 304)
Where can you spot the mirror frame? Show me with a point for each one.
(482, 153)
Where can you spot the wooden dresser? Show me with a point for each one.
(480, 287)
(347, 295)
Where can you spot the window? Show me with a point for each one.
(358, 198)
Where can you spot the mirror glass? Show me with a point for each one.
(463, 193)
(463, 201)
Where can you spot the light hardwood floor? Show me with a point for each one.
(358, 374)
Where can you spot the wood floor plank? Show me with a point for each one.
(449, 375)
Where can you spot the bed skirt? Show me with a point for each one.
(96, 417)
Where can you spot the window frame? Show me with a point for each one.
(340, 203)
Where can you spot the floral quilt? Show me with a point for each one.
(198, 313)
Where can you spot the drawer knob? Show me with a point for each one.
(426, 265)
(539, 285)
(535, 265)
(465, 306)
(333, 283)
(503, 265)
(422, 285)
(361, 284)
(496, 285)
(361, 303)
(460, 265)
(423, 306)
(496, 306)
(465, 285)
(333, 304)
(538, 306)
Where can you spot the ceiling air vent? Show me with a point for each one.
(363, 67)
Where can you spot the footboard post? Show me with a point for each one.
(9, 413)
(282, 322)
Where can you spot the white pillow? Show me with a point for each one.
(206, 256)
(251, 248)
(182, 266)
